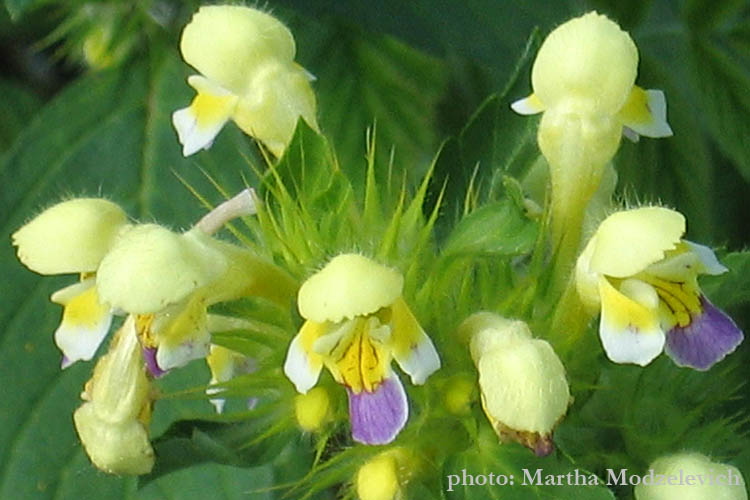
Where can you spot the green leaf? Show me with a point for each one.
(16, 8)
(723, 73)
(498, 229)
(494, 142)
(365, 79)
(241, 444)
(731, 289)
(17, 106)
(635, 415)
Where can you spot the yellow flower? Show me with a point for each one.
(113, 422)
(522, 381)
(584, 82)
(690, 476)
(73, 237)
(312, 409)
(357, 322)
(639, 271)
(246, 59)
(378, 478)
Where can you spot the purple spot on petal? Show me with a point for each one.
(149, 356)
(708, 338)
(377, 417)
(66, 362)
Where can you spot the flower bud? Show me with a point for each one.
(524, 389)
(691, 476)
(378, 478)
(459, 394)
(113, 422)
(312, 409)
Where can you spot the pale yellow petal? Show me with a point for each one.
(302, 365)
(227, 43)
(708, 263)
(150, 267)
(181, 334)
(349, 285)
(693, 477)
(589, 58)
(70, 237)
(629, 241)
(411, 347)
(486, 331)
(84, 324)
(530, 105)
(278, 95)
(524, 386)
(120, 447)
(113, 422)
(587, 280)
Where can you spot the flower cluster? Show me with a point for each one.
(163, 282)
(355, 302)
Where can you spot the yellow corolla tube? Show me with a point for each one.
(356, 324)
(245, 58)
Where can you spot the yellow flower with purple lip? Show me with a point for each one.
(639, 271)
(248, 75)
(73, 237)
(356, 323)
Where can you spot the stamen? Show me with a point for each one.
(239, 206)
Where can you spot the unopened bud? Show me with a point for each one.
(691, 476)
